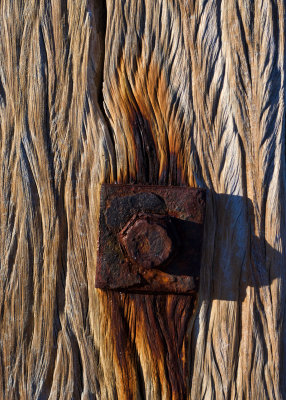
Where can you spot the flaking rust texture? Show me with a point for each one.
(150, 238)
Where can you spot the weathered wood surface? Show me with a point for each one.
(162, 92)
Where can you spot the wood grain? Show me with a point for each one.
(160, 92)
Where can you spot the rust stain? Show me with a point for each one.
(151, 134)
(154, 145)
(161, 321)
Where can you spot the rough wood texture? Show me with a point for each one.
(193, 93)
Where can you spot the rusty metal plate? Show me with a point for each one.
(150, 238)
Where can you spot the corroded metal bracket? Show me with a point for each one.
(150, 238)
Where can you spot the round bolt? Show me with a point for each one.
(148, 240)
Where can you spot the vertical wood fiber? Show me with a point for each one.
(162, 92)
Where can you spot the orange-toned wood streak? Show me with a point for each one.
(161, 92)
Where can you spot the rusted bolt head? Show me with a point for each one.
(148, 240)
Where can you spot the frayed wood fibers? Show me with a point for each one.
(166, 92)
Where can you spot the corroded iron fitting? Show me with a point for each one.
(150, 238)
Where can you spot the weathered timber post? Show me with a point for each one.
(163, 93)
